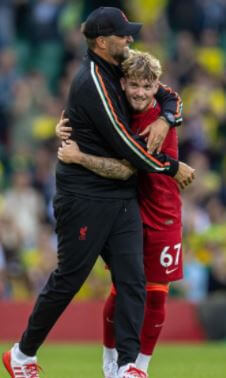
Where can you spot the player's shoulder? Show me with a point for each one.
(155, 109)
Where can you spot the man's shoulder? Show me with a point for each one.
(82, 77)
(82, 83)
(93, 79)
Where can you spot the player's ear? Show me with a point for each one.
(123, 83)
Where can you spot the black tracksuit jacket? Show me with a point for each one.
(99, 116)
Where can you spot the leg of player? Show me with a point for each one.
(110, 354)
(153, 322)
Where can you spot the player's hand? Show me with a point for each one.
(185, 175)
(155, 134)
(69, 152)
(63, 131)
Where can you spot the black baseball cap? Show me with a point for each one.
(109, 21)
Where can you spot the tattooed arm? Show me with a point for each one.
(105, 167)
(108, 167)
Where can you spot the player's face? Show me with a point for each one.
(140, 92)
(118, 47)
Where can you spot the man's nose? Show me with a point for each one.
(140, 92)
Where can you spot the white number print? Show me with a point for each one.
(166, 258)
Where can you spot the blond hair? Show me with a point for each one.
(141, 65)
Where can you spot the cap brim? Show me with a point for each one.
(131, 28)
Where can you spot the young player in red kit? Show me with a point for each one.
(160, 206)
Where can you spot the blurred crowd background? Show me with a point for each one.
(41, 48)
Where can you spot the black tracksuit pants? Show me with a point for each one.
(87, 228)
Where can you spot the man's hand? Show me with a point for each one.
(185, 175)
(63, 131)
(156, 134)
(69, 152)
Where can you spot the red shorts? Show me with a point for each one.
(163, 260)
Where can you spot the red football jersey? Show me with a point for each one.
(158, 194)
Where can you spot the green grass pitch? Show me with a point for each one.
(170, 361)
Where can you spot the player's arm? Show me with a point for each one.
(110, 168)
(171, 105)
(171, 115)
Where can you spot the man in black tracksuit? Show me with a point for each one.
(95, 215)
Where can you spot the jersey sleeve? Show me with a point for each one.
(170, 101)
(103, 105)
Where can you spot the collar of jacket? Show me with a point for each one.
(110, 69)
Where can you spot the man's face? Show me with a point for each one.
(139, 92)
(118, 47)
